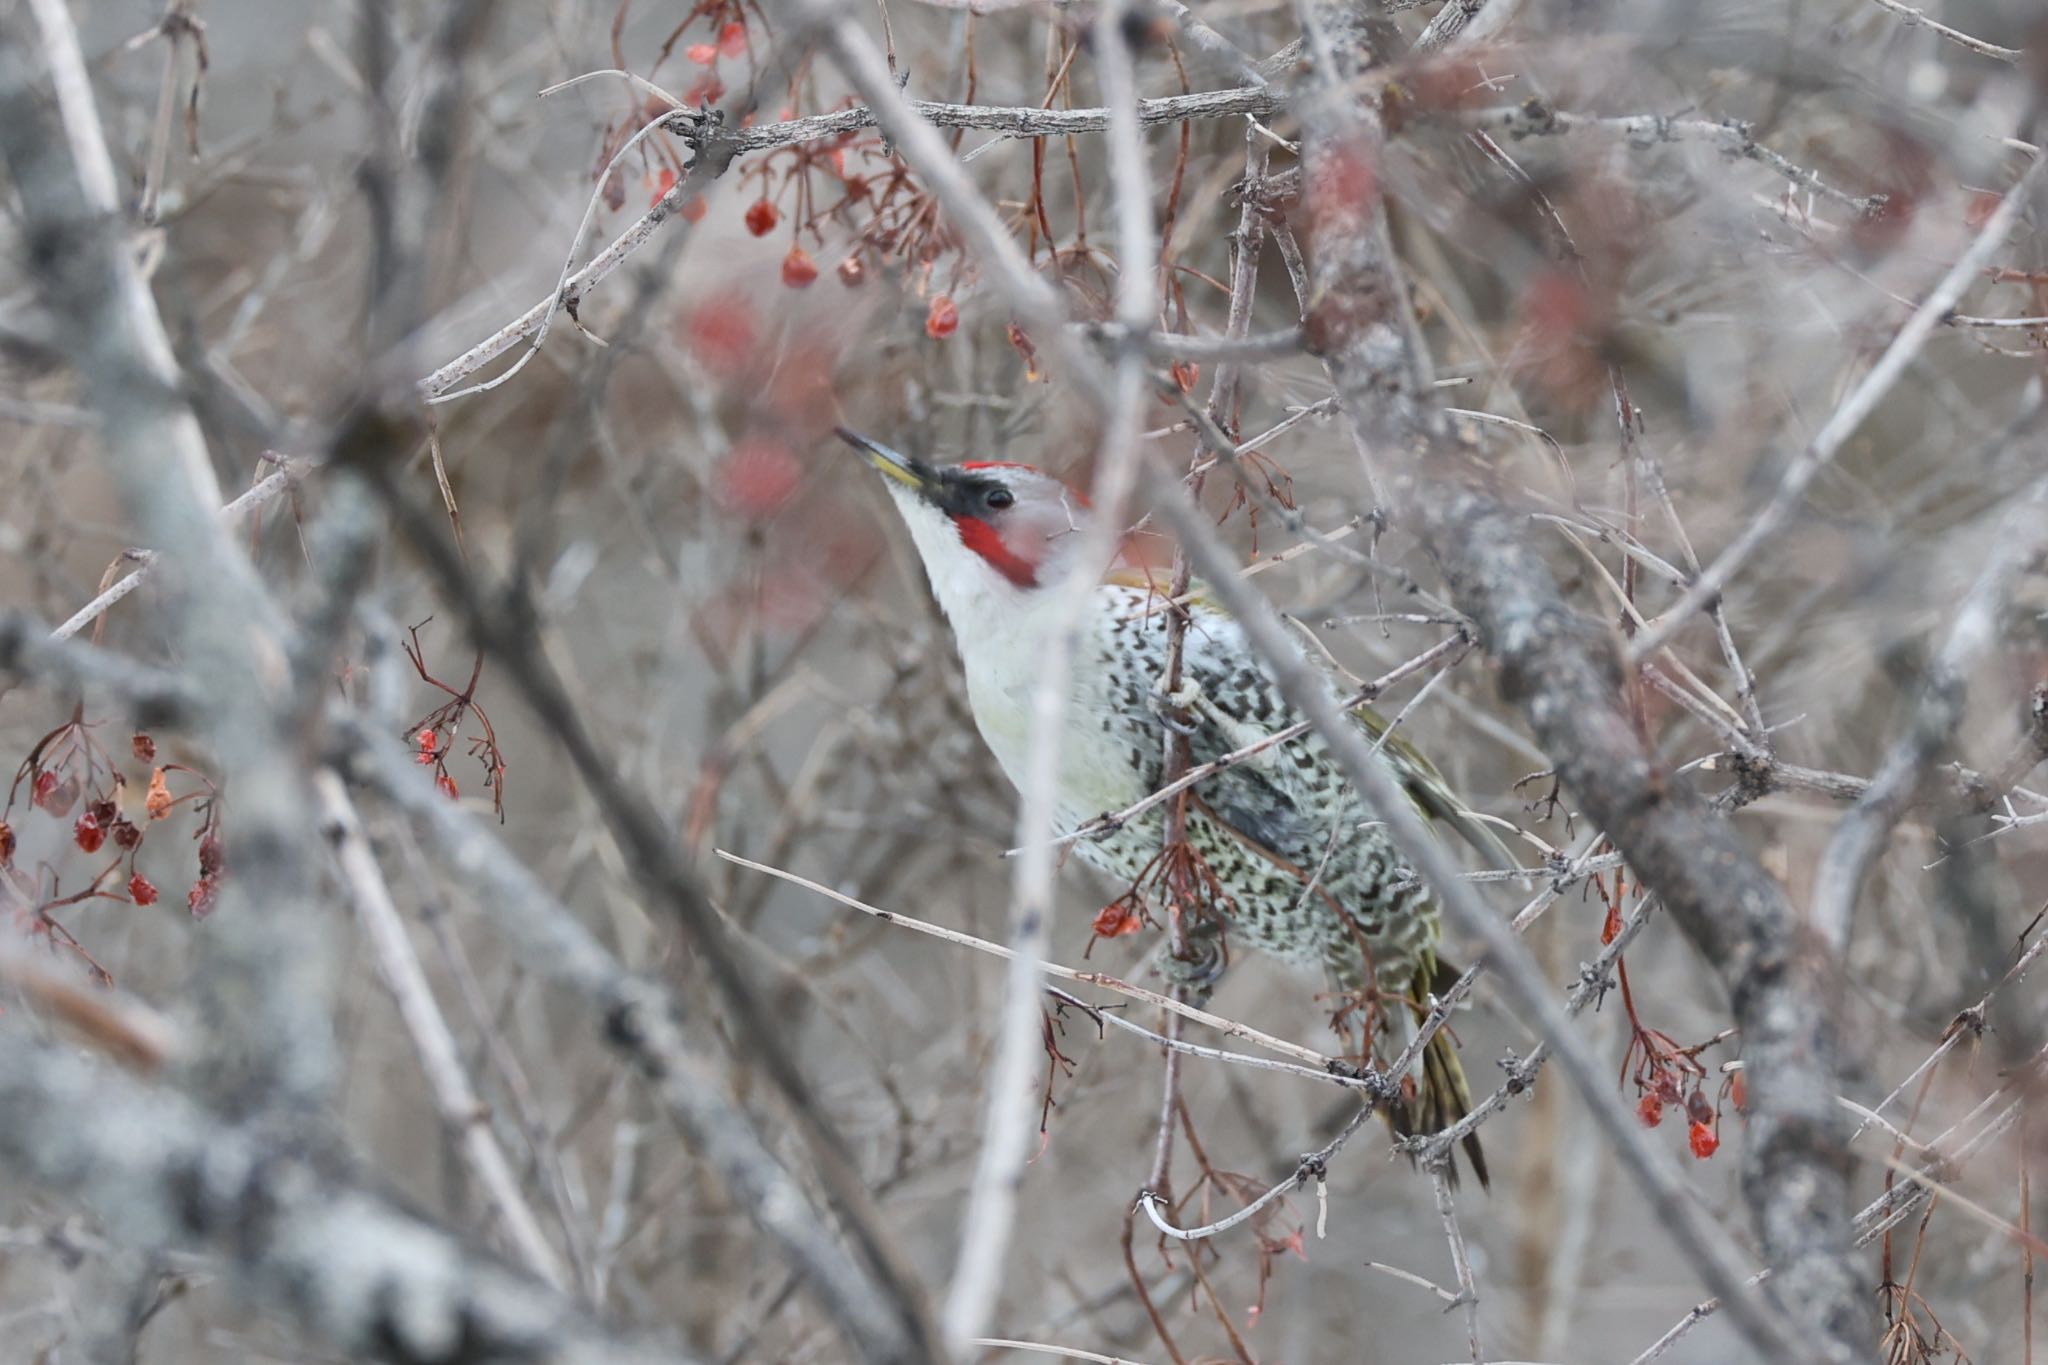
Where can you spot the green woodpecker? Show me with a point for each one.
(1290, 861)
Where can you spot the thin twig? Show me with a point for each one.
(1918, 19)
(1230, 1027)
(462, 1109)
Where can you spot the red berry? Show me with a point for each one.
(1738, 1090)
(88, 833)
(732, 40)
(942, 319)
(1650, 1110)
(694, 209)
(708, 90)
(852, 273)
(703, 54)
(141, 890)
(199, 900)
(1185, 375)
(144, 747)
(6, 843)
(722, 334)
(663, 183)
(211, 858)
(125, 833)
(1702, 1140)
(45, 785)
(762, 217)
(1115, 921)
(758, 477)
(447, 786)
(429, 741)
(799, 271)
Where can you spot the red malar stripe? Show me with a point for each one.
(980, 537)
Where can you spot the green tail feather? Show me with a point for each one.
(1444, 1097)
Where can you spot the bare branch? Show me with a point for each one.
(717, 149)
(1845, 421)
(356, 1271)
(266, 984)
(1939, 710)
(641, 1020)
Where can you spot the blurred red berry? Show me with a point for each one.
(721, 334)
(762, 217)
(199, 900)
(942, 319)
(758, 477)
(1345, 180)
(144, 747)
(663, 183)
(126, 835)
(799, 271)
(6, 843)
(1185, 375)
(1738, 1091)
(44, 787)
(141, 890)
(732, 40)
(1702, 1140)
(852, 273)
(694, 209)
(429, 741)
(88, 834)
(703, 54)
(707, 90)
(1650, 1110)
(447, 787)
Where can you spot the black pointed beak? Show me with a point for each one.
(912, 474)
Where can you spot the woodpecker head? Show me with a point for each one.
(992, 536)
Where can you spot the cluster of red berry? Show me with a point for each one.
(1669, 1076)
(434, 735)
(68, 771)
(889, 217)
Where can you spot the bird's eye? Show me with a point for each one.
(996, 499)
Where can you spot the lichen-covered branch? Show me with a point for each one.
(355, 1270)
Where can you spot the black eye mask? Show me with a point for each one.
(964, 493)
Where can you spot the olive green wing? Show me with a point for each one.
(1432, 795)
